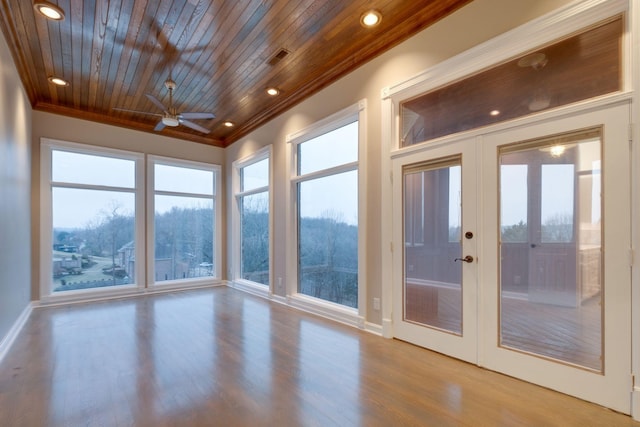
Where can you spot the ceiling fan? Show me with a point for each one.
(170, 116)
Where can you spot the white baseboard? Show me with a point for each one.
(8, 340)
(259, 290)
(81, 297)
(331, 311)
(635, 403)
(373, 328)
(387, 328)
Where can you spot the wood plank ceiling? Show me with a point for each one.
(222, 54)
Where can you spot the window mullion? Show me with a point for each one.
(347, 167)
(252, 191)
(92, 187)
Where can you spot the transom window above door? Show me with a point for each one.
(576, 68)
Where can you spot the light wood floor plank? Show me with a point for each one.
(220, 357)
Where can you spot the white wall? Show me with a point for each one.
(15, 188)
(47, 125)
(477, 22)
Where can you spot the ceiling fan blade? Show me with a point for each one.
(159, 126)
(136, 111)
(197, 116)
(155, 101)
(194, 126)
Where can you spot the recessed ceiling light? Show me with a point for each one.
(370, 18)
(58, 81)
(229, 124)
(272, 91)
(48, 10)
(495, 112)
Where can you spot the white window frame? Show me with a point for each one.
(264, 153)
(46, 217)
(152, 160)
(348, 315)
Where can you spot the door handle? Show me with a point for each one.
(468, 258)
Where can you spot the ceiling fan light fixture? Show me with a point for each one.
(370, 18)
(170, 121)
(49, 10)
(58, 81)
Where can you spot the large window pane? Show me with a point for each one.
(183, 238)
(183, 180)
(331, 149)
(255, 175)
(255, 237)
(328, 238)
(76, 168)
(93, 238)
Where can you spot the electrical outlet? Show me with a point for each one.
(376, 303)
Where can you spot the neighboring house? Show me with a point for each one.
(127, 258)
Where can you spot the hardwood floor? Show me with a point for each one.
(220, 357)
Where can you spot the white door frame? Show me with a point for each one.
(617, 380)
(463, 346)
(614, 387)
(564, 21)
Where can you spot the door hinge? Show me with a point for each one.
(391, 247)
(631, 257)
(391, 176)
(632, 132)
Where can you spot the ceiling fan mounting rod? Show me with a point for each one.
(171, 85)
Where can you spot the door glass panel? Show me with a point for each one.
(432, 222)
(551, 273)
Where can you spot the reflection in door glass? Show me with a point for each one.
(513, 211)
(551, 275)
(432, 222)
(556, 203)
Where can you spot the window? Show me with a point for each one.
(93, 222)
(580, 67)
(326, 187)
(252, 218)
(89, 213)
(184, 206)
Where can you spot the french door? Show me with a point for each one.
(515, 253)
